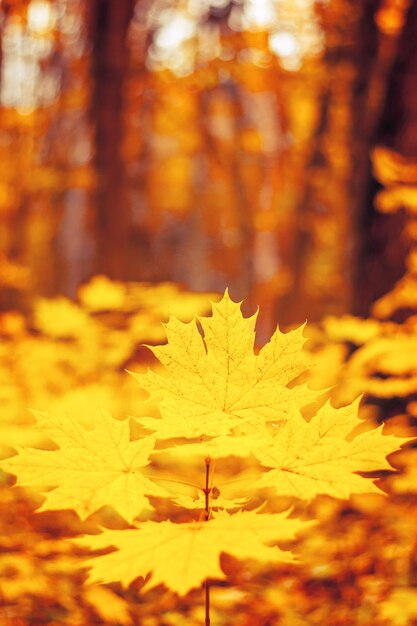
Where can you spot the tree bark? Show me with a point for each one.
(109, 23)
(383, 250)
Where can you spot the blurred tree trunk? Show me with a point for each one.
(324, 252)
(366, 41)
(384, 247)
(109, 23)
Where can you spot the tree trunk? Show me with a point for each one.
(109, 23)
(382, 255)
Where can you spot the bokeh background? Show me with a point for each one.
(206, 142)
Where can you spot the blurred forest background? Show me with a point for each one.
(246, 143)
(153, 152)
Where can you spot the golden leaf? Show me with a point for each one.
(216, 383)
(91, 469)
(59, 317)
(319, 456)
(405, 482)
(102, 294)
(182, 556)
(217, 501)
(219, 447)
(400, 607)
(109, 606)
(349, 328)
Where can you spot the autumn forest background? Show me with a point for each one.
(153, 153)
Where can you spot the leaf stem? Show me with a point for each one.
(207, 490)
(207, 603)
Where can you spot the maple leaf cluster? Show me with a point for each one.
(218, 399)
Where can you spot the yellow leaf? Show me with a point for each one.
(216, 383)
(401, 196)
(108, 605)
(400, 608)
(216, 501)
(406, 481)
(182, 556)
(318, 457)
(349, 328)
(102, 294)
(182, 305)
(59, 317)
(219, 447)
(91, 469)
(144, 327)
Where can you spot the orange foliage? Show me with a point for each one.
(219, 144)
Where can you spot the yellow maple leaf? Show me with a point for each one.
(219, 447)
(319, 457)
(91, 468)
(216, 383)
(182, 556)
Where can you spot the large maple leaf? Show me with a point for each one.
(216, 382)
(322, 456)
(182, 556)
(91, 468)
